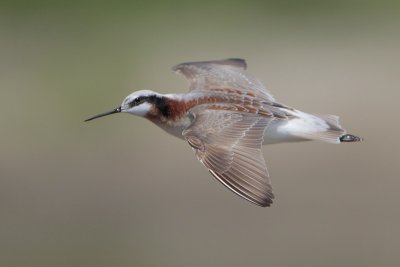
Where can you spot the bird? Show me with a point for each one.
(226, 118)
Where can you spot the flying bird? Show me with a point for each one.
(226, 117)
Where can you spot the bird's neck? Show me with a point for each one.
(170, 112)
(167, 108)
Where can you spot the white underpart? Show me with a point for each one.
(176, 127)
(293, 130)
(306, 123)
(140, 110)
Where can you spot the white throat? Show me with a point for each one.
(141, 110)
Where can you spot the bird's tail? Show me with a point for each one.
(326, 128)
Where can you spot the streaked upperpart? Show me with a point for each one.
(226, 117)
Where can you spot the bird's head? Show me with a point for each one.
(140, 103)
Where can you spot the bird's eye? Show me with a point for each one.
(138, 100)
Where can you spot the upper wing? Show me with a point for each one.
(222, 74)
(229, 145)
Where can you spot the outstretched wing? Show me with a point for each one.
(220, 75)
(229, 145)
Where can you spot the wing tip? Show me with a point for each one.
(265, 204)
(237, 62)
(234, 62)
(267, 201)
(262, 202)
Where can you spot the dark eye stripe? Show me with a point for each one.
(159, 102)
(137, 101)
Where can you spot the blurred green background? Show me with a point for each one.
(120, 192)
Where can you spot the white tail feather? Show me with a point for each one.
(328, 129)
(306, 126)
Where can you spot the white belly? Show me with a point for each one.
(304, 127)
(276, 133)
(175, 128)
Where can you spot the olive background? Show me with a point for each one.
(118, 191)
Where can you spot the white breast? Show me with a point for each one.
(175, 128)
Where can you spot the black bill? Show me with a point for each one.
(117, 110)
